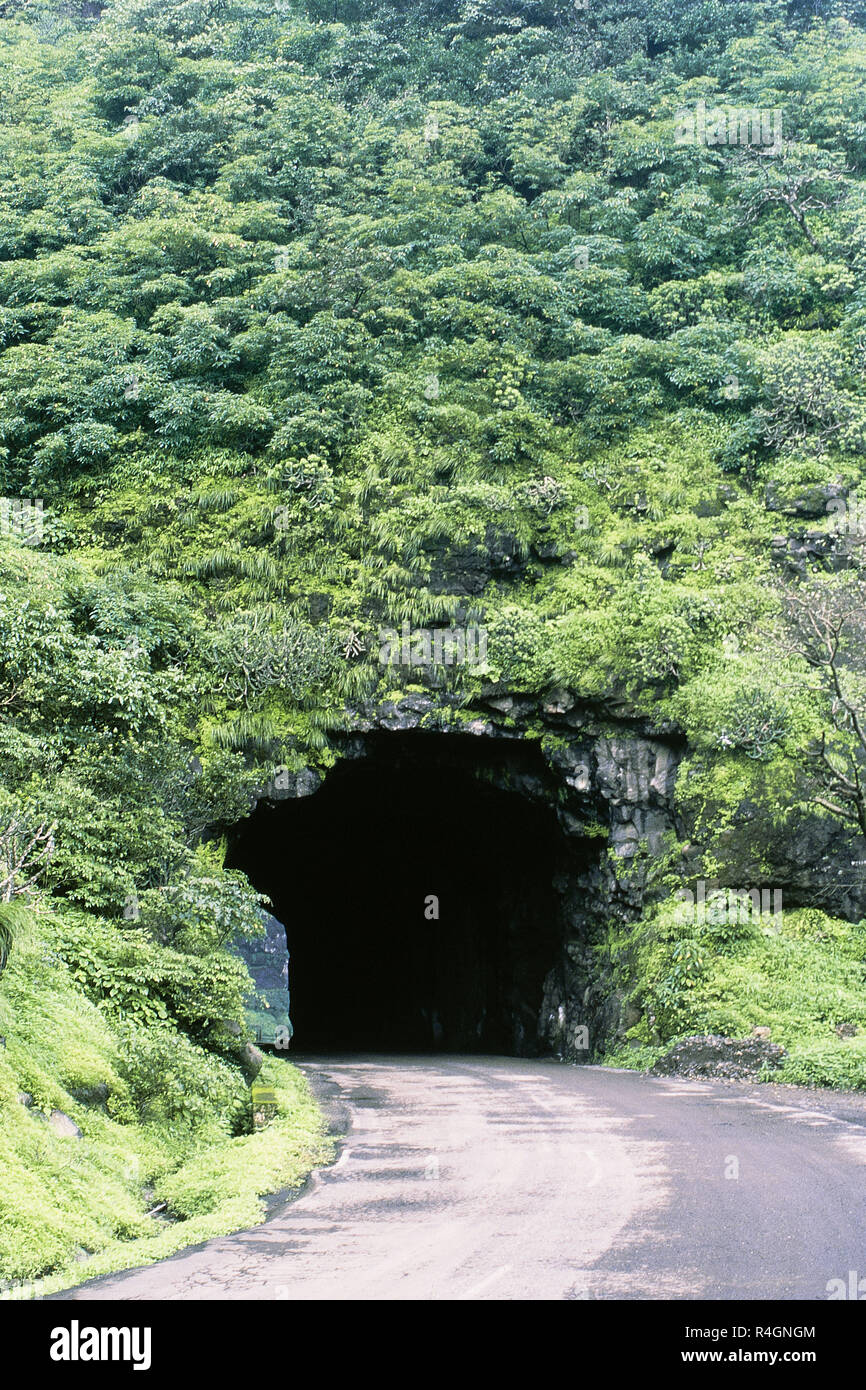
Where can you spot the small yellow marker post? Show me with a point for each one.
(264, 1105)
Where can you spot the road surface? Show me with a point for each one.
(464, 1178)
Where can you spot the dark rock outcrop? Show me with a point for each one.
(251, 1062)
(96, 1095)
(609, 777)
(711, 1055)
(267, 1008)
(809, 501)
(466, 570)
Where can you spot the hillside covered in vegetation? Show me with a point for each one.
(323, 320)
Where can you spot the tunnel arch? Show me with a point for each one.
(429, 895)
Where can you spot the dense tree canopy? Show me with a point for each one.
(298, 302)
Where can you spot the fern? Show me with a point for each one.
(247, 731)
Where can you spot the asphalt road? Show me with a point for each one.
(496, 1178)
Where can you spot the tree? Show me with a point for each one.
(825, 626)
(811, 394)
(803, 181)
(26, 846)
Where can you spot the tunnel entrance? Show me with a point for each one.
(418, 897)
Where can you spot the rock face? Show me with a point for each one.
(813, 501)
(287, 785)
(805, 548)
(96, 1095)
(711, 1055)
(267, 1008)
(812, 861)
(828, 545)
(610, 780)
(467, 570)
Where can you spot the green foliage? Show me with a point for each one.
(144, 982)
(802, 977)
(201, 915)
(827, 1064)
(315, 319)
(12, 916)
(173, 1082)
(153, 1109)
(291, 358)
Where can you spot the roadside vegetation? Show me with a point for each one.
(803, 978)
(164, 1156)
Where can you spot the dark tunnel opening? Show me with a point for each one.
(418, 900)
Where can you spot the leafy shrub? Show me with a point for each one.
(12, 915)
(138, 981)
(173, 1081)
(202, 914)
(841, 1066)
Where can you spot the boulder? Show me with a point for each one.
(288, 786)
(711, 1055)
(559, 701)
(251, 1061)
(64, 1126)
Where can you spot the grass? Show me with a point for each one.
(802, 982)
(72, 1208)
